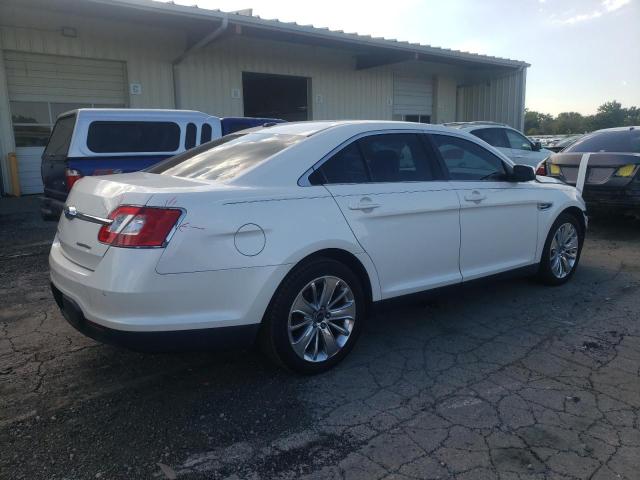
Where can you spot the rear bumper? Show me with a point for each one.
(181, 340)
(124, 294)
(612, 197)
(50, 208)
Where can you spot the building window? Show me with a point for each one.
(418, 118)
(33, 121)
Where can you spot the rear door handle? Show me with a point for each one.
(364, 204)
(475, 196)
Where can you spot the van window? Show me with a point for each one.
(60, 139)
(225, 158)
(123, 136)
(190, 136)
(205, 133)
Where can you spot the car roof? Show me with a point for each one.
(310, 128)
(619, 129)
(133, 113)
(475, 125)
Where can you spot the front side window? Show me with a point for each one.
(226, 158)
(518, 141)
(467, 160)
(124, 136)
(493, 136)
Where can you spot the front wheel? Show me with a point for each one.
(315, 317)
(562, 250)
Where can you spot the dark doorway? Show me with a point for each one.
(275, 96)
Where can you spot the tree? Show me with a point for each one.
(609, 114)
(569, 122)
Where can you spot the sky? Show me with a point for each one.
(582, 52)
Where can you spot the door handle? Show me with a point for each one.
(475, 196)
(364, 204)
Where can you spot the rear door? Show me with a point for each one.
(495, 137)
(404, 214)
(498, 219)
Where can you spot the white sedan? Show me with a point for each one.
(289, 233)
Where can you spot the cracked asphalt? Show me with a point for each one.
(505, 380)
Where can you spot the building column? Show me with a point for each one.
(7, 142)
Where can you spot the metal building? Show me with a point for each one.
(56, 56)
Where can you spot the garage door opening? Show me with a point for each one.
(276, 96)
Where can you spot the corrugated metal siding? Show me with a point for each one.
(499, 100)
(338, 90)
(146, 51)
(412, 95)
(54, 78)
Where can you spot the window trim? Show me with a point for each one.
(303, 180)
(507, 166)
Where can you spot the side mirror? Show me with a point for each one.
(537, 146)
(523, 173)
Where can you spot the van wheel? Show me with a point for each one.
(562, 251)
(315, 317)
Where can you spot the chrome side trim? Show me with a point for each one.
(71, 212)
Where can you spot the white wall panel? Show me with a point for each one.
(338, 90)
(499, 99)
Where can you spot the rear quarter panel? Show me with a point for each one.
(221, 232)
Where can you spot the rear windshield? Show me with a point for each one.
(226, 158)
(60, 139)
(124, 137)
(621, 141)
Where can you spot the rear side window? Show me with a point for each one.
(466, 160)
(123, 137)
(393, 157)
(226, 158)
(396, 157)
(190, 136)
(205, 133)
(621, 141)
(60, 139)
(493, 136)
(346, 166)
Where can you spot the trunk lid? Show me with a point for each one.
(601, 169)
(97, 197)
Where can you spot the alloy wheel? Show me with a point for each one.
(564, 250)
(321, 318)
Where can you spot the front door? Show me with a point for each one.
(406, 217)
(522, 151)
(498, 218)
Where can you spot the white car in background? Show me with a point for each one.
(289, 233)
(508, 140)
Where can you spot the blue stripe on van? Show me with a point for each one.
(104, 165)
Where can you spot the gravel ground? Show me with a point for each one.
(507, 380)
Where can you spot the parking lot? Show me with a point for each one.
(507, 379)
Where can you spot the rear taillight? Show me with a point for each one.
(133, 226)
(71, 176)
(542, 169)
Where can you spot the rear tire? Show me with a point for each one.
(562, 249)
(315, 317)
